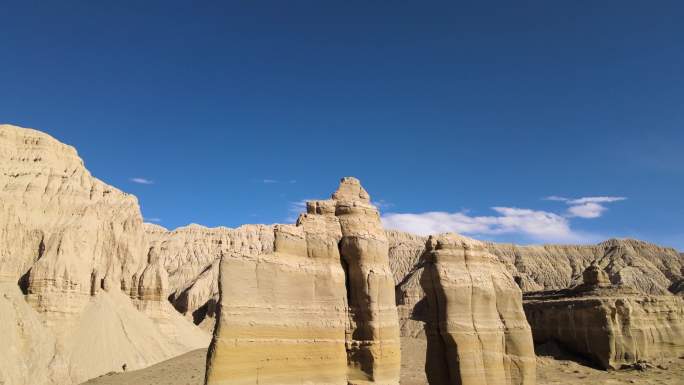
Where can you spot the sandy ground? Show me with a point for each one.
(188, 369)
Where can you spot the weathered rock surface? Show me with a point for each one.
(318, 309)
(190, 255)
(93, 298)
(613, 326)
(646, 267)
(476, 328)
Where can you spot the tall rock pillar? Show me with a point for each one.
(373, 349)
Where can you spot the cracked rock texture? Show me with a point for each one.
(317, 309)
(79, 291)
(613, 326)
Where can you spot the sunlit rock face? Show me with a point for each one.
(191, 255)
(643, 266)
(613, 326)
(318, 309)
(475, 325)
(75, 271)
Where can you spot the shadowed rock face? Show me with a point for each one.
(373, 332)
(318, 309)
(476, 329)
(613, 326)
(80, 293)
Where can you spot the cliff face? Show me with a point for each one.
(646, 267)
(318, 309)
(190, 256)
(613, 326)
(75, 270)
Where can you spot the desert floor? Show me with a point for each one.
(188, 369)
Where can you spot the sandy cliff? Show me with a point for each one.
(317, 309)
(81, 294)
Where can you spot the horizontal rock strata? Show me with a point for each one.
(613, 326)
(476, 328)
(318, 309)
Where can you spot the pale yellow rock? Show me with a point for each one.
(190, 256)
(94, 299)
(476, 328)
(282, 314)
(648, 268)
(319, 309)
(373, 343)
(613, 326)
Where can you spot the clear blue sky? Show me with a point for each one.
(444, 110)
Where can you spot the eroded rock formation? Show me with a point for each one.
(75, 273)
(190, 255)
(318, 309)
(476, 329)
(646, 267)
(613, 326)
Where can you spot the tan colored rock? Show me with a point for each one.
(476, 329)
(373, 335)
(318, 309)
(613, 326)
(646, 267)
(190, 256)
(92, 297)
(282, 314)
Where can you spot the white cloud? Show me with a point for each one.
(139, 180)
(556, 198)
(586, 207)
(294, 209)
(269, 181)
(382, 204)
(155, 220)
(582, 201)
(587, 210)
(538, 225)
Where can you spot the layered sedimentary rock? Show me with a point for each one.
(476, 328)
(613, 326)
(646, 267)
(318, 309)
(75, 271)
(190, 255)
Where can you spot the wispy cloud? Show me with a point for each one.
(154, 220)
(275, 181)
(382, 204)
(534, 224)
(139, 180)
(294, 209)
(586, 207)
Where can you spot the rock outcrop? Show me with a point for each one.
(613, 326)
(318, 309)
(75, 272)
(476, 328)
(190, 255)
(646, 267)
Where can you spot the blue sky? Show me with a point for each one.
(463, 116)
